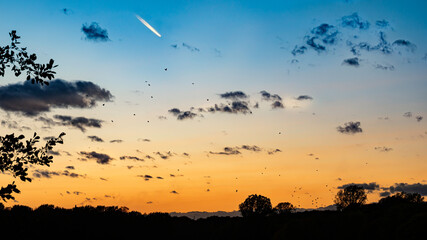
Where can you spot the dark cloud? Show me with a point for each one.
(159, 177)
(70, 167)
(100, 158)
(407, 44)
(10, 124)
(382, 23)
(116, 141)
(191, 48)
(351, 62)
(383, 46)
(55, 153)
(228, 151)
(409, 188)
(419, 118)
(95, 139)
(146, 177)
(234, 107)
(350, 128)
(33, 99)
(165, 155)
(385, 194)
(131, 158)
(94, 32)
(182, 115)
(78, 122)
(303, 97)
(277, 104)
(49, 174)
(298, 50)
(385, 67)
(162, 117)
(270, 97)
(322, 35)
(251, 148)
(354, 21)
(383, 149)
(274, 151)
(407, 114)
(373, 186)
(233, 95)
(174, 192)
(143, 140)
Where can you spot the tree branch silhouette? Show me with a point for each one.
(15, 152)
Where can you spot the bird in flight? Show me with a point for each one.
(148, 26)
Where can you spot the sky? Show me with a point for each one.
(292, 100)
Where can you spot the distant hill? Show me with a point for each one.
(197, 214)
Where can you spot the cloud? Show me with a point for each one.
(409, 188)
(182, 115)
(131, 158)
(100, 158)
(253, 148)
(78, 122)
(274, 151)
(95, 139)
(354, 21)
(174, 192)
(116, 141)
(383, 149)
(322, 35)
(143, 140)
(233, 95)
(351, 62)
(382, 23)
(277, 104)
(270, 97)
(385, 67)
(407, 114)
(165, 155)
(233, 107)
(419, 118)
(298, 50)
(350, 128)
(13, 125)
(70, 167)
(367, 186)
(303, 97)
(191, 48)
(404, 43)
(227, 151)
(383, 46)
(33, 99)
(94, 32)
(146, 177)
(49, 174)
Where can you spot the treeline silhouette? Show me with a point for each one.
(393, 217)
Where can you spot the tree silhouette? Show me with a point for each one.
(352, 196)
(284, 208)
(15, 154)
(402, 198)
(21, 61)
(255, 205)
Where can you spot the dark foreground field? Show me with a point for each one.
(372, 221)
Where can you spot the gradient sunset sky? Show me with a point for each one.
(288, 99)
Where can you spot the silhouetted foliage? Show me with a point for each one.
(255, 205)
(352, 196)
(402, 198)
(284, 208)
(372, 221)
(21, 61)
(16, 155)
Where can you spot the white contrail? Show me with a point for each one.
(148, 25)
